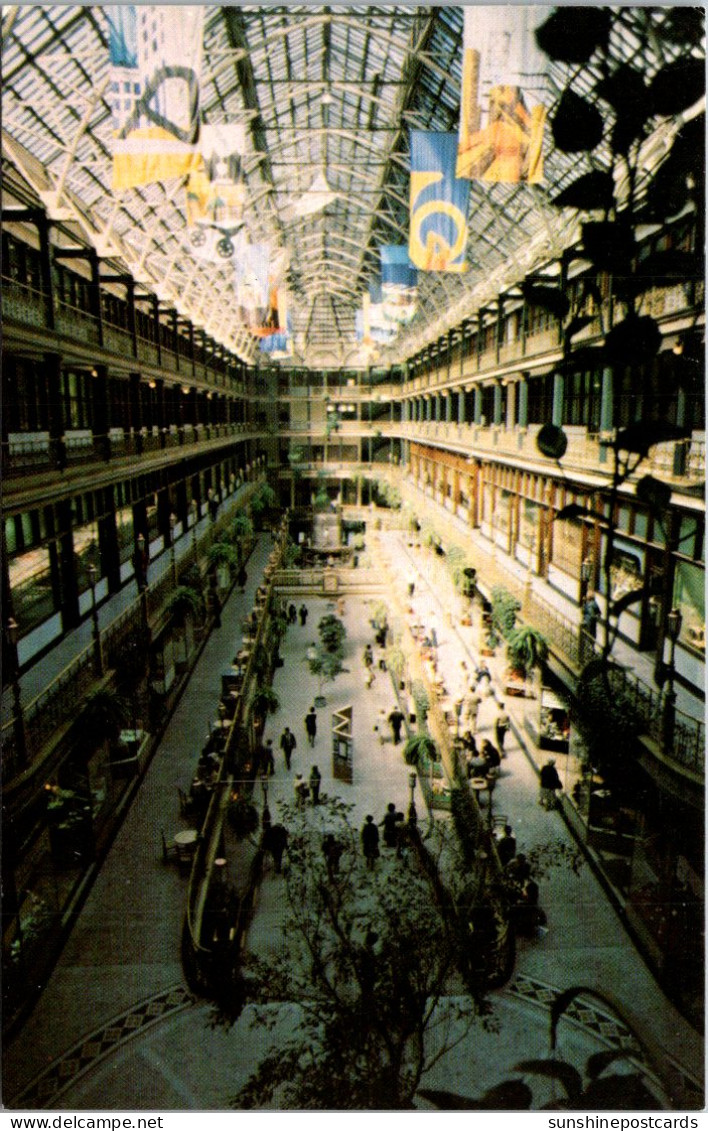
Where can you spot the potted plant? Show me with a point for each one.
(183, 605)
(332, 633)
(242, 816)
(326, 665)
(379, 623)
(265, 701)
(420, 749)
(526, 649)
(504, 609)
(421, 700)
(223, 559)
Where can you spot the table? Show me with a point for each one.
(187, 838)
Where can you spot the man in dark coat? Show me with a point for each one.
(311, 725)
(370, 841)
(287, 745)
(315, 781)
(396, 721)
(275, 841)
(549, 782)
(332, 851)
(303, 615)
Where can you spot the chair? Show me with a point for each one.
(186, 803)
(169, 851)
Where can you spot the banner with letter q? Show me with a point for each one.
(438, 204)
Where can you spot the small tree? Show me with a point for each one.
(368, 964)
(526, 649)
(183, 602)
(420, 749)
(332, 633)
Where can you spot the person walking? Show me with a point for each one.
(315, 782)
(368, 656)
(292, 614)
(550, 783)
(411, 584)
(241, 578)
(311, 725)
(287, 745)
(506, 846)
(370, 841)
(501, 726)
(268, 761)
(332, 851)
(490, 754)
(396, 720)
(473, 703)
(275, 841)
(390, 826)
(303, 615)
(301, 791)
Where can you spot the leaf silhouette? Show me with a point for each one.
(599, 1061)
(625, 85)
(449, 1101)
(619, 1093)
(572, 35)
(575, 510)
(559, 1070)
(577, 126)
(654, 493)
(682, 25)
(550, 298)
(592, 190)
(643, 435)
(677, 85)
(510, 1095)
(626, 601)
(610, 244)
(636, 339)
(552, 441)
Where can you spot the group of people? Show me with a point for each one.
(294, 612)
(308, 790)
(526, 913)
(391, 823)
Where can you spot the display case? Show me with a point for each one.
(549, 724)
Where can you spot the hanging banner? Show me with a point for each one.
(503, 108)
(280, 344)
(399, 289)
(251, 264)
(438, 203)
(216, 191)
(317, 197)
(155, 55)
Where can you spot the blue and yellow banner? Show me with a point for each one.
(155, 55)
(399, 284)
(438, 223)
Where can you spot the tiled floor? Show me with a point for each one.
(116, 1029)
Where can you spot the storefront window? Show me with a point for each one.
(689, 598)
(567, 547)
(529, 514)
(626, 572)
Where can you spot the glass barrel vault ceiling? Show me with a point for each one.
(319, 89)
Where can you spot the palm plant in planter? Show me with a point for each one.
(104, 715)
(420, 749)
(184, 604)
(223, 557)
(526, 650)
(421, 700)
(264, 702)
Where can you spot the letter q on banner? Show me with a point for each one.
(438, 204)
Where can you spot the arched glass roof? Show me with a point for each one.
(320, 90)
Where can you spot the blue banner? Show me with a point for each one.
(438, 203)
(399, 284)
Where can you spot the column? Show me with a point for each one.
(67, 568)
(524, 402)
(45, 261)
(680, 447)
(607, 408)
(461, 405)
(511, 405)
(478, 405)
(497, 404)
(96, 293)
(100, 422)
(55, 410)
(108, 541)
(156, 322)
(558, 389)
(448, 407)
